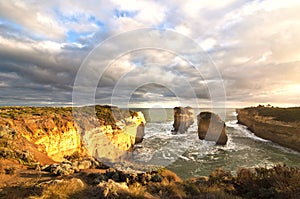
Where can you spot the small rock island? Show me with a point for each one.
(280, 125)
(183, 119)
(211, 128)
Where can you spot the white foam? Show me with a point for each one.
(286, 150)
(183, 157)
(232, 123)
(234, 113)
(244, 131)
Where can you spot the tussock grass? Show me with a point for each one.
(63, 189)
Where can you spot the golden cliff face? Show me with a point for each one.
(55, 133)
(115, 143)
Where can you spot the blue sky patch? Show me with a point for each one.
(125, 13)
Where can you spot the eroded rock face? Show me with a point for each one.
(211, 128)
(183, 119)
(280, 125)
(109, 143)
(55, 133)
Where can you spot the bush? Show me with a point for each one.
(277, 182)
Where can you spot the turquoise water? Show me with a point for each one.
(188, 156)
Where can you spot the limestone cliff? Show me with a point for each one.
(183, 119)
(211, 128)
(279, 125)
(115, 142)
(57, 133)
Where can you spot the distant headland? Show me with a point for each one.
(280, 125)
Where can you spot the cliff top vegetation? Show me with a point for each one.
(280, 114)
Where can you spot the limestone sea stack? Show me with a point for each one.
(211, 128)
(183, 119)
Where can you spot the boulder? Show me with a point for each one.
(85, 164)
(211, 128)
(68, 167)
(183, 119)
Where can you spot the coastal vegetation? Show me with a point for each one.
(291, 114)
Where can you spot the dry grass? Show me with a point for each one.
(60, 189)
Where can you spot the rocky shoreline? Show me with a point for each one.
(42, 155)
(280, 125)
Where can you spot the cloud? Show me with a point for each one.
(254, 45)
(33, 17)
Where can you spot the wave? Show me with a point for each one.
(187, 152)
(234, 113)
(244, 130)
(285, 150)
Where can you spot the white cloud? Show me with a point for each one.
(183, 29)
(264, 57)
(208, 44)
(29, 15)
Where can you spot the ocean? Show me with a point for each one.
(188, 156)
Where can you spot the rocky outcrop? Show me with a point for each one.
(113, 143)
(211, 128)
(183, 119)
(58, 132)
(69, 167)
(276, 124)
(55, 134)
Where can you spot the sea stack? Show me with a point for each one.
(183, 119)
(211, 128)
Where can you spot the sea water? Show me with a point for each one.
(188, 156)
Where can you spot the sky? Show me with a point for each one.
(250, 52)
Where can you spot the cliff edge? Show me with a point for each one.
(280, 125)
(59, 132)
